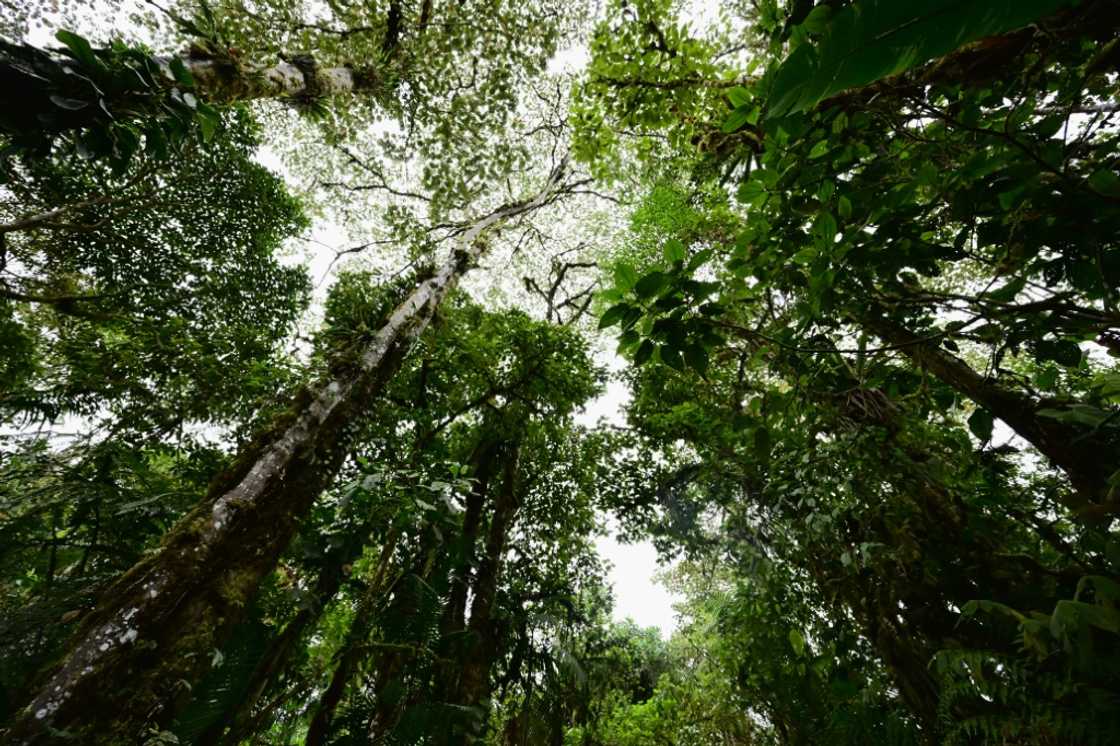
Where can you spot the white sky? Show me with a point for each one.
(637, 594)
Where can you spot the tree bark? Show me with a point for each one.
(353, 649)
(1086, 456)
(132, 662)
(275, 658)
(301, 78)
(474, 677)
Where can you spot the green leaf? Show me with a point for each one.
(207, 118)
(671, 357)
(625, 277)
(613, 315)
(650, 284)
(874, 39)
(1007, 293)
(674, 251)
(79, 49)
(70, 104)
(742, 115)
(1062, 351)
(1105, 182)
(644, 353)
(817, 20)
(697, 358)
(739, 96)
(182, 75)
(844, 207)
(797, 642)
(1046, 378)
(820, 149)
(981, 423)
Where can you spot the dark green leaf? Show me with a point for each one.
(613, 315)
(873, 39)
(981, 424)
(650, 284)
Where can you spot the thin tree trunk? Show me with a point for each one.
(482, 638)
(353, 649)
(135, 657)
(279, 651)
(1086, 456)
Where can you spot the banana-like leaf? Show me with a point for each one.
(873, 39)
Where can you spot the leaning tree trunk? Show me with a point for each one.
(134, 658)
(1086, 455)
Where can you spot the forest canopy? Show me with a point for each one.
(313, 316)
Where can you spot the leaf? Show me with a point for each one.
(674, 251)
(1007, 293)
(613, 315)
(79, 49)
(650, 284)
(873, 39)
(844, 207)
(739, 96)
(70, 104)
(697, 358)
(671, 357)
(741, 116)
(797, 642)
(820, 149)
(644, 352)
(625, 277)
(1062, 351)
(180, 72)
(981, 423)
(207, 118)
(817, 20)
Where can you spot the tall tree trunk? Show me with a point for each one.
(482, 637)
(353, 650)
(279, 651)
(405, 605)
(455, 610)
(1088, 457)
(135, 657)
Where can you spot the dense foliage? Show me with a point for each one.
(858, 262)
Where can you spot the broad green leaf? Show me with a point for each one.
(671, 357)
(674, 251)
(80, 49)
(1062, 351)
(981, 423)
(739, 96)
(613, 315)
(644, 352)
(650, 284)
(874, 39)
(797, 642)
(697, 358)
(625, 277)
(182, 74)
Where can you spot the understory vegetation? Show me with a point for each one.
(335, 337)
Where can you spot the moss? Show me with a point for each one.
(239, 586)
